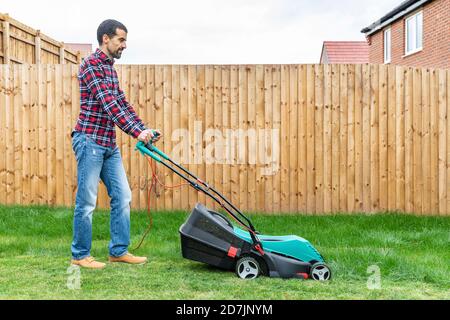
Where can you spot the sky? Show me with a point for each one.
(207, 32)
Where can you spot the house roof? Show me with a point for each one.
(345, 51)
(401, 10)
(82, 47)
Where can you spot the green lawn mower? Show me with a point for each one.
(210, 237)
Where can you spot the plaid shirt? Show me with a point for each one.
(103, 103)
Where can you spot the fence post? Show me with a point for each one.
(37, 48)
(6, 51)
(61, 53)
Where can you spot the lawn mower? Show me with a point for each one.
(210, 237)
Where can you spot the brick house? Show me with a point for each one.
(416, 33)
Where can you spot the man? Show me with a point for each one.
(103, 106)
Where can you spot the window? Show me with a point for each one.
(387, 45)
(414, 33)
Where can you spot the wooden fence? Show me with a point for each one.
(22, 44)
(314, 138)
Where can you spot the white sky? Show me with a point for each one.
(207, 32)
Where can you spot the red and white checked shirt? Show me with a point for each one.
(103, 103)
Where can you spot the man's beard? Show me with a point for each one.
(117, 54)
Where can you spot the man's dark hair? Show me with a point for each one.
(109, 28)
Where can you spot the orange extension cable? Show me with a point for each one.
(154, 181)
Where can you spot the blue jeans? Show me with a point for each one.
(95, 162)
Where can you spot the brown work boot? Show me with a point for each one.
(128, 258)
(89, 262)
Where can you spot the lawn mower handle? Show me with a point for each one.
(159, 156)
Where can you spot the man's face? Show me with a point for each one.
(116, 44)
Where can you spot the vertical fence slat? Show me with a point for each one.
(42, 145)
(447, 90)
(10, 196)
(168, 110)
(267, 136)
(51, 134)
(252, 146)
(335, 140)
(224, 126)
(276, 82)
(417, 138)
(157, 200)
(310, 174)
(443, 183)
(366, 138)
(234, 141)
(175, 124)
(184, 128)
(391, 134)
(142, 108)
(193, 116)
(34, 111)
(426, 147)
(260, 155)
(293, 138)
(199, 129)
(318, 138)
(153, 114)
(374, 139)
(26, 73)
(3, 102)
(358, 139)
(209, 124)
(327, 138)
(243, 143)
(59, 139)
(67, 103)
(343, 136)
(409, 206)
(434, 144)
(217, 122)
(302, 139)
(284, 155)
(135, 168)
(400, 138)
(351, 140)
(383, 136)
(17, 69)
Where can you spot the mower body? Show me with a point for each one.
(209, 237)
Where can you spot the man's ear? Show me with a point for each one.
(105, 38)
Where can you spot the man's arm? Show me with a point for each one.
(94, 78)
(124, 103)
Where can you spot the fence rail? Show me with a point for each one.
(273, 138)
(20, 44)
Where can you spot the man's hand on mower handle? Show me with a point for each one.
(150, 135)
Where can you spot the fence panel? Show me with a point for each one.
(274, 138)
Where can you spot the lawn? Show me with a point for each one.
(411, 253)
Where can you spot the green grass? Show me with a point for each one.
(412, 253)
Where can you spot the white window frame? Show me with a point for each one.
(387, 44)
(416, 48)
